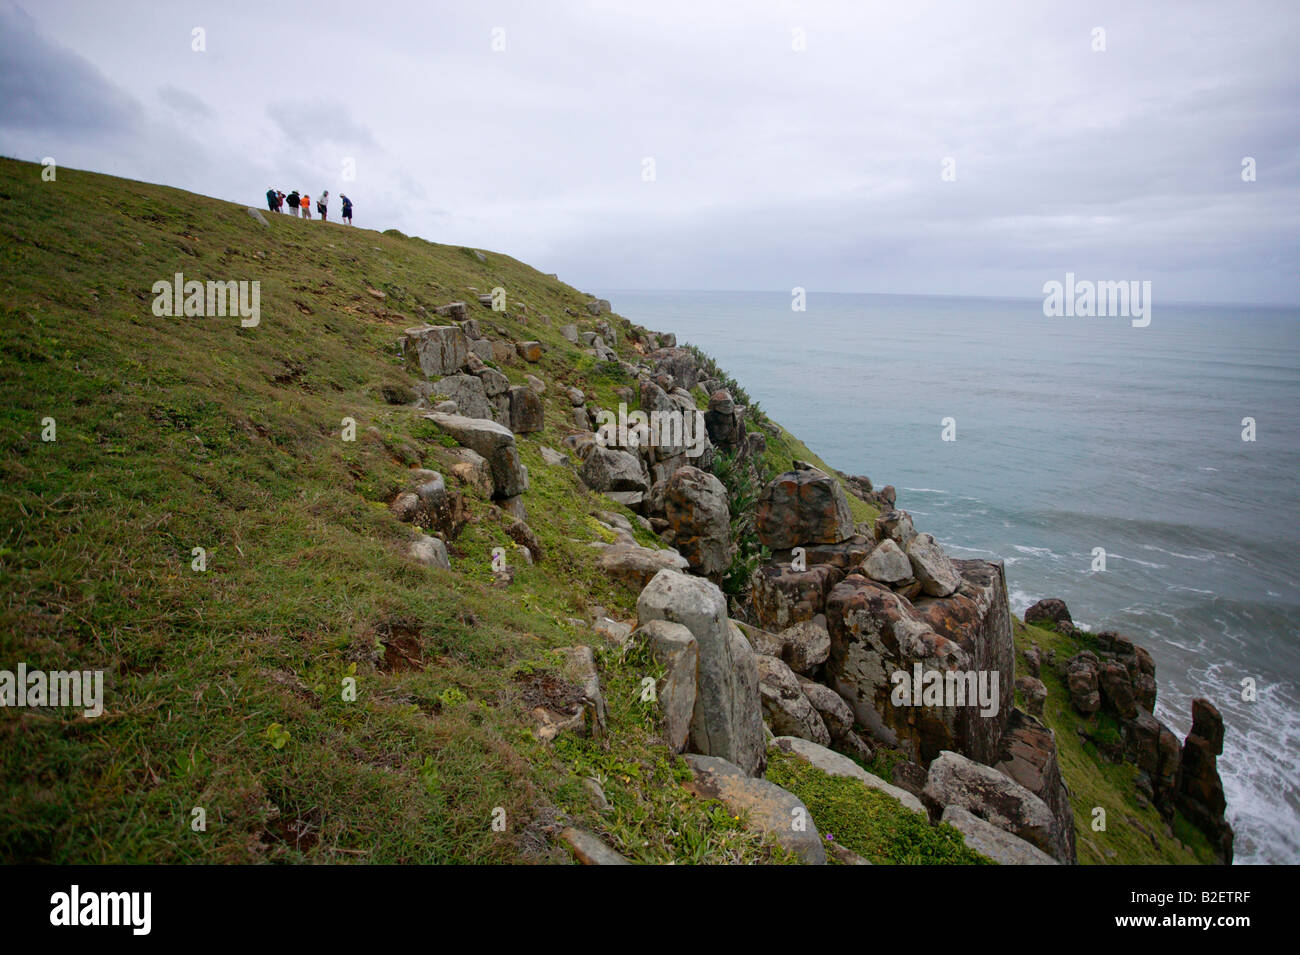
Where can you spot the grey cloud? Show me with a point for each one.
(44, 86)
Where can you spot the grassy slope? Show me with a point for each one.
(182, 432)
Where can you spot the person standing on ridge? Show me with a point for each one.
(323, 205)
(347, 210)
(293, 203)
(279, 202)
(271, 202)
(305, 205)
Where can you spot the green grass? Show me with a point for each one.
(872, 824)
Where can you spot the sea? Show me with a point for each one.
(1148, 476)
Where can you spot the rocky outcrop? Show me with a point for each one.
(802, 507)
(1051, 610)
(877, 633)
(1200, 790)
(727, 719)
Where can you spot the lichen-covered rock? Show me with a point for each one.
(888, 564)
(439, 349)
(1049, 610)
(783, 596)
(931, 566)
(1028, 755)
(527, 414)
(802, 507)
(787, 710)
(675, 648)
(727, 719)
(896, 526)
(806, 644)
(695, 505)
(495, 443)
(468, 393)
(996, 798)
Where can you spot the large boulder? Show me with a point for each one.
(636, 565)
(678, 363)
(806, 645)
(954, 780)
(783, 596)
(439, 349)
(787, 710)
(727, 719)
(802, 507)
(1051, 610)
(994, 843)
(1081, 679)
(609, 469)
(495, 443)
(675, 648)
(768, 807)
(931, 566)
(895, 526)
(888, 564)
(695, 505)
(527, 414)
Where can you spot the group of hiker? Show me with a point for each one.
(301, 204)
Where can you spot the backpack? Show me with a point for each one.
(293, 200)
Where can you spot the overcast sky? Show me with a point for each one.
(774, 167)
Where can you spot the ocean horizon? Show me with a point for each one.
(1070, 435)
